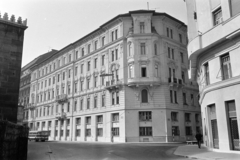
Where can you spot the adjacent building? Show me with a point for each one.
(24, 92)
(126, 81)
(214, 40)
(11, 42)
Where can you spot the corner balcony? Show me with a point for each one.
(113, 84)
(61, 98)
(174, 82)
(143, 81)
(61, 116)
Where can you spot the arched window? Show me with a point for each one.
(144, 96)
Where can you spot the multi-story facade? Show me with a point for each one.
(11, 41)
(127, 81)
(24, 92)
(213, 48)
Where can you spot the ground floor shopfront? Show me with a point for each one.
(221, 115)
(133, 125)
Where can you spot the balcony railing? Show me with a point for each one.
(61, 116)
(175, 82)
(31, 105)
(113, 84)
(61, 98)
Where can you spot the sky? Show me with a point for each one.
(53, 24)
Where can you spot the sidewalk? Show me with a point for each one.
(192, 151)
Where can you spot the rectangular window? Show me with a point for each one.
(103, 57)
(175, 131)
(95, 81)
(167, 32)
(188, 131)
(75, 87)
(95, 63)
(95, 45)
(169, 52)
(88, 120)
(81, 104)
(103, 41)
(180, 38)
(143, 49)
(115, 117)
(183, 76)
(88, 83)
(68, 122)
(172, 53)
(69, 89)
(115, 131)
(234, 7)
(99, 132)
(103, 100)
(82, 52)
(100, 119)
(75, 105)
(145, 116)
(112, 55)
(175, 96)
(226, 67)
(88, 103)
(144, 72)
(68, 107)
(197, 118)
(76, 55)
(95, 102)
(70, 57)
(142, 27)
(187, 117)
(69, 73)
(206, 74)
(145, 131)
(192, 99)
(61, 133)
(89, 48)
(117, 97)
(78, 121)
(116, 34)
(116, 53)
(76, 71)
(88, 132)
(112, 34)
(171, 33)
(88, 66)
(181, 55)
(81, 85)
(174, 116)
(217, 16)
(78, 132)
(82, 65)
(184, 99)
(113, 98)
(171, 96)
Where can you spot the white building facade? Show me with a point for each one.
(214, 40)
(127, 81)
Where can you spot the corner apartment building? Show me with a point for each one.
(214, 27)
(11, 42)
(126, 81)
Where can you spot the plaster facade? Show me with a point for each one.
(126, 81)
(214, 54)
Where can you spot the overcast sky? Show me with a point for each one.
(53, 24)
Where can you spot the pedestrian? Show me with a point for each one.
(199, 139)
